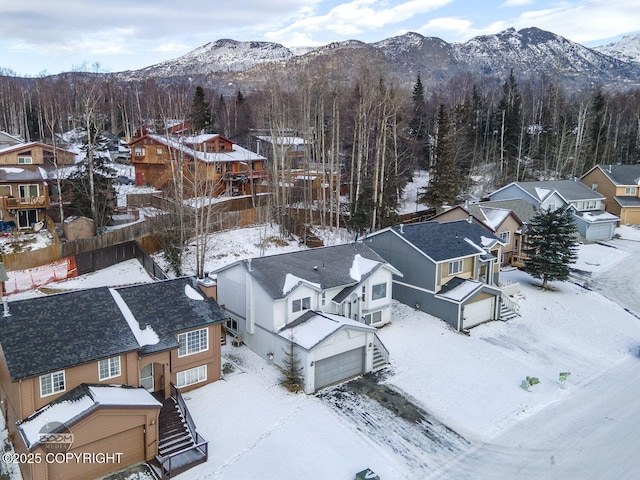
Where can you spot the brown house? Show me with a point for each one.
(102, 365)
(620, 185)
(227, 168)
(26, 186)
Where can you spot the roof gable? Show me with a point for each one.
(622, 175)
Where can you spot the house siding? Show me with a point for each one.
(417, 269)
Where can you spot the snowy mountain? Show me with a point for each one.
(529, 52)
(220, 56)
(626, 49)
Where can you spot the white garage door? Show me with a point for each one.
(339, 367)
(477, 312)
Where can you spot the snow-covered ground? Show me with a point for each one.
(585, 428)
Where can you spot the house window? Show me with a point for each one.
(25, 160)
(630, 190)
(455, 267)
(591, 204)
(138, 151)
(109, 368)
(324, 298)
(505, 237)
(191, 376)
(232, 324)
(379, 291)
(51, 383)
(158, 150)
(594, 187)
(373, 318)
(28, 191)
(193, 342)
(364, 293)
(301, 304)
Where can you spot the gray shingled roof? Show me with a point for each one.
(622, 174)
(444, 241)
(51, 333)
(327, 266)
(59, 331)
(571, 190)
(168, 310)
(524, 210)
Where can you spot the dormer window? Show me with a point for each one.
(25, 159)
(630, 190)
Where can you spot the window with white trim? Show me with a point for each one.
(323, 298)
(505, 237)
(630, 190)
(301, 304)
(191, 376)
(373, 318)
(26, 160)
(193, 342)
(52, 383)
(109, 368)
(379, 291)
(455, 267)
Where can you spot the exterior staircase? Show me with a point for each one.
(380, 355)
(508, 309)
(180, 447)
(174, 433)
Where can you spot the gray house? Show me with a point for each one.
(586, 204)
(449, 270)
(327, 301)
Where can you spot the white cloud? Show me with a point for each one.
(516, 3)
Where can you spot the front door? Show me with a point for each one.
(146, 378)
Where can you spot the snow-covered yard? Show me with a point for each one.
(256, 429)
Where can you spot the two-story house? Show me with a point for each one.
(449, 270)
(620, 186)
(327, 301)
(506, 219)
(227, 168)
(27, 173)
(586, 205)
(99, 364)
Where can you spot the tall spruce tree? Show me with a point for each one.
(444, 182)
(550, 245)
(418, 123)
(201, 117)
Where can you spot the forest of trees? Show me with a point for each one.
(475, 134)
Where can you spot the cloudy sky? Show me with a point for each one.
(44, 36)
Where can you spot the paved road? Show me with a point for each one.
(591, 435)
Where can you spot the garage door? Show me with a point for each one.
(130, 444)
(339, 367)
(600, 232)
(477, 312)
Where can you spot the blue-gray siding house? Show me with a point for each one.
(449, 270)
(586, 204)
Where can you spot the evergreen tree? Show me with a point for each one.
(510, 122)
(201, 117)
(418, 124)
(292, 370)
(444, 182)
(550, 245)
(78, 186)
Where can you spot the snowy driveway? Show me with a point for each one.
(393, 421)
(618, 281)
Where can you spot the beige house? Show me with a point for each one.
(104, 367)
(620, 185)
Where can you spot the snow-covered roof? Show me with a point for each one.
(459, 289)
(144, 336)
(314, 327)
(283, 140)
(237, 154)
(79, 402)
